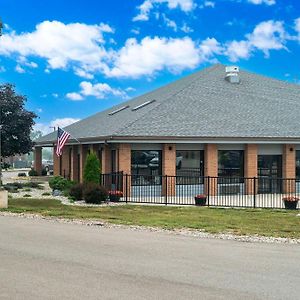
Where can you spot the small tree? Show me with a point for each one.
(91, 172)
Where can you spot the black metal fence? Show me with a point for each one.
(260, 192)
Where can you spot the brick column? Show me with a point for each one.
(38, 159)
(289, 168)
(124, 165)
(211, 168)
(250, 168)
(56, 163)
(65, 161)
(169, 169)
(74, 163)
(83, 149)
(106, 160)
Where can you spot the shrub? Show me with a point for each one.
(60, 183)
(27, 190)
(91, 169)
(44, 172)
(76, 191)
(94, 193)
(22, 174)
(33, 172)
(46, 194)
(27, 195)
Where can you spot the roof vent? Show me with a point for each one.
(118, 110)
(232, 74)
(144, 104)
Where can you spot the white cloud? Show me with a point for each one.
(258, 2)
(47, 128)
(209, 48)
(74, 96)
(2, 69)
(170, 23)
(55, 95)
(237, 50)
(146, 7)
(19, 69)
(208, 4)
(98, 90)
(266, 36)
(297, 28)
(61, 45)
(150, 55)
(185, 28)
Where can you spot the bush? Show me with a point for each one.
(33, 172)
(94, 193)
(44, 172)
(91, 169)
(46, 194)
(27, 195)
(22, 174)
(76, 191)
(60, 183)
(31, 184)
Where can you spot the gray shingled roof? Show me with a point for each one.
(202, 105)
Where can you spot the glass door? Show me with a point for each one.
(269, 173)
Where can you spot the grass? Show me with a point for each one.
(265, 222)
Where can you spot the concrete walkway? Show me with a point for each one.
(47, 260)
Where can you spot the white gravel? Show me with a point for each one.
(184, 232)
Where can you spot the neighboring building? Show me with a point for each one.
(211, 123)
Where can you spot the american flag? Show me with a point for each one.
(62, 137)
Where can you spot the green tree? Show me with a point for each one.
(15, 121)
(91, 172)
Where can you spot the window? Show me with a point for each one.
(189, 166)
(146, 167)
(298, 165)
(231, 163)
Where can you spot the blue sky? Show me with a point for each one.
(75, 58)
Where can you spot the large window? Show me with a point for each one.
(146, 167)
(231, 163)
(298, 165)
(189, 166)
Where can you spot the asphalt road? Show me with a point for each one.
(47, 260)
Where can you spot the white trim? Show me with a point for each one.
(270, 149)
(272, 142)
(231, 146)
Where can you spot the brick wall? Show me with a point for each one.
(83, 149)
(74, 163)
(56, 163)
(124, 165)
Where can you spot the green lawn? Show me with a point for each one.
(277, 223)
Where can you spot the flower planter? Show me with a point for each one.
(200, 201)
(290, 204)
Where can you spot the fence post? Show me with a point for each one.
(208, 189)
(126, 184)
(254, 192)
(166, 192)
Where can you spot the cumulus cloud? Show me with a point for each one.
(146, 7)
(149, 55)
(98, 90)
(60, 44)
(19, 69)
(266, 36)
(62, 122)
(258, 2)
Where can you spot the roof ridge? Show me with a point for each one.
(200, 73)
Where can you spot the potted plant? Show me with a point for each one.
(200, 200)
(114, 196)
(290, 202)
